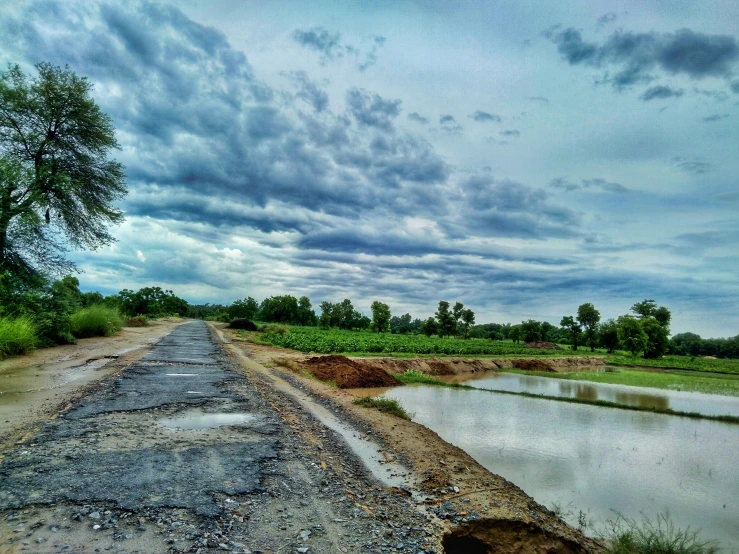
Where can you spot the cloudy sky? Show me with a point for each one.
(520, 159)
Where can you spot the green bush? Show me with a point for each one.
(96, 321)
(387, 405)
(627, 536)
(137, 321)
(17, 336)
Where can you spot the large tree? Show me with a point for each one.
(57, 182)
(589, 318)
(573, 328)
(446, 322)
(380, 316)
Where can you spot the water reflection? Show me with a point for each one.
(708, 404)
(594, 459)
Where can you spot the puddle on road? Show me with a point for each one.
(180, 374)
(199, 421)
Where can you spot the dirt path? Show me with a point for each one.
(36, 386)
(181, 452)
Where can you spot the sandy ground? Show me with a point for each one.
(36, 386)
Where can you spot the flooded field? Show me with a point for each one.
(708, 404)
(592, 461)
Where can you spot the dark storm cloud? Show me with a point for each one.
(661, 92)
(715, 117)
(735, 87)
(565, 184)
(636, 56)
(449, 124)
(371, 109)
(479, 115)
(415, 116)
(320, 40)
(308, 91)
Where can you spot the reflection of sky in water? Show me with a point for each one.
(709, 404)
(597, 459)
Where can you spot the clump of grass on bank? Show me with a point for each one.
(387, 405)
(413, 376)
(96, 321)
(17, 336)
(137, 321)
(627, 536)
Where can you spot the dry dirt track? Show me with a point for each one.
(120, 471)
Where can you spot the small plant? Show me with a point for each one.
(415, 376)
(17, 336)
(387, 405)
(137, 321)
(96, 321)
(627, 536)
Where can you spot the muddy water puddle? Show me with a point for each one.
(707, 404)
(594, 461)
(200, 421)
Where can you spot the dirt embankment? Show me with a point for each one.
(348, 374)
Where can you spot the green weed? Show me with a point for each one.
(627, 536)
(96, 321)
(386, 405)
(17, 336)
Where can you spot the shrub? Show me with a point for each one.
(626, 536)
(17, 336)
(278, 329)
(242, 323)
(137, 321)
(96, 321)
(387, 405)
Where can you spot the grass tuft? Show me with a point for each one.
(96, 321)
(17, 336)
(137, 321)
(627, 536)
(413, 376)
(387, 405)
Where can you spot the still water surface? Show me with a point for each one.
(594, 459)
(708, 404)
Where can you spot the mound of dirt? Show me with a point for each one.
(348, 374)
(543, 344)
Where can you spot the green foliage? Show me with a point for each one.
(387, 405)
(609, 335)
(690, 344)
(151, 302)
(380, 317)
(657, 340)
(244, 309)
(720, 365)
(631, 335)
(573, 328)
(405, 324)
(342, 315)
(311, 339)
(136, 321)
(589, 318)
(446, 322)
(530, 331)
(415, 377)
(627, 536)
(17, 336)
(428, 327)
(648, 308)
(96, 321)
(57, 185)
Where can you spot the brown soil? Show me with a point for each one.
(544, 345)
(348, 374)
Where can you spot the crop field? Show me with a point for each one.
(311, 339)
(722, 365)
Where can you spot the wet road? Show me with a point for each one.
(182, 453)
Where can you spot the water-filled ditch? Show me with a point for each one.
(594, 461)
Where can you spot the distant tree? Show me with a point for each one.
(457, 310)
(468, 320)
(645, 308)
(446, 324)
(609, 335)
(515, 334)
(401, 325)
(327, 308)
(687, 344)
(589, 318)
(380, 316)
(657, 340)
(545, 327)
(573, 328)
(152, 301)
(663, 317)
(245, 309)
(530, 330)
(305, 314)
(428, 327)
(631, 335)
(57, 183)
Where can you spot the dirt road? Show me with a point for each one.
(182, 453)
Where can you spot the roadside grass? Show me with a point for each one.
(627, 536)
(136, 321)
(413, 376)
(680, 380)
(96, 321)
(17, 336)
(386, 405)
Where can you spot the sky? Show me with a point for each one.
(517, 156)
